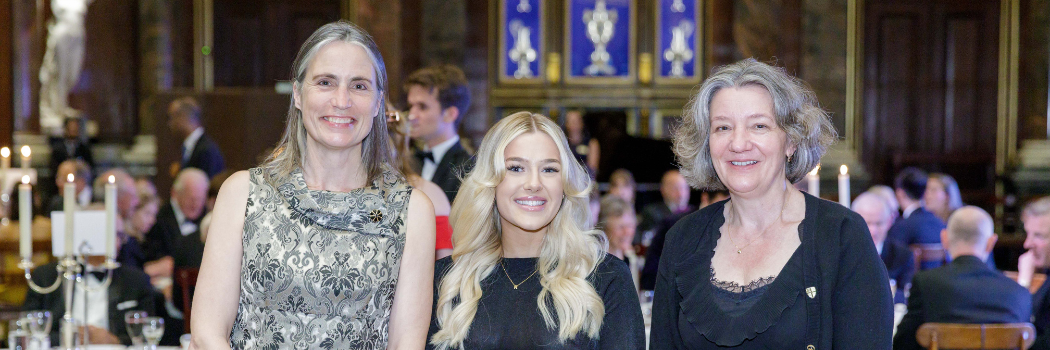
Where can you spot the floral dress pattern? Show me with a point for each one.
(319, 268)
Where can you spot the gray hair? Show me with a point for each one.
(291, 150)
(871, 197)
(795, 109)
(186, 175)
(613, 206)
(1038, 207)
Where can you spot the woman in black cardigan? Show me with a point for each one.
(771, 267)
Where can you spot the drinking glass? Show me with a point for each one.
(18, 334)
(133, 319)
(152, 330)
(40, 328)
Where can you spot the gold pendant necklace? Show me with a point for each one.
(511, 280)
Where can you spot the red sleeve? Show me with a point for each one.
(444, 233)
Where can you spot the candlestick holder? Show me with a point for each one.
(70, 271)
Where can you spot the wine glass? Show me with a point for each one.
(152, 330)
(40, 327)
(18, 334)
(133, 319)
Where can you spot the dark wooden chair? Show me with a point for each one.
(928, 252)
(187, 278)
(936, 336)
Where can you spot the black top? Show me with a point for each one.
(509, 318)
(963, 291)
(843, 287)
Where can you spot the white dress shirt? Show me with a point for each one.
(910, 209)
(186, 227)
(96, 306)
(430, 167)
(190, 142)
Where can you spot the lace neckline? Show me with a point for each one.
(734, 287)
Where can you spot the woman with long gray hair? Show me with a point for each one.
(325, 245)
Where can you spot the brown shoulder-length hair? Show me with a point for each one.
(291, 150)
(795, 110)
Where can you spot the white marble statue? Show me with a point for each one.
(62, 62)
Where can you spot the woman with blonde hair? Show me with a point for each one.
(325, 245)
(942, 195)
(526, 272)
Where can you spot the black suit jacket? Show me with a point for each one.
(900, 264)
(963, 291)
(920, 227)
(129, 290)
(1041, 317)
(59, 153)
(165, 239)
(454, 164)
(205, 156)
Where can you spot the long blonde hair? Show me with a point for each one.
(570, 252)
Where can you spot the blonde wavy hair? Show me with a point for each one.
(570, 252)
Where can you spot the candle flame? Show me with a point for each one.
(25, 151)
(25, 179)
(843, 169)
(112, 179)
(5, 152)
(815, 171)
(69, 178)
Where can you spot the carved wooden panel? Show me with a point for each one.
(7, 121)
(930, 88)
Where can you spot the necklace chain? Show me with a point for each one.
(512, 280)
(780, 220)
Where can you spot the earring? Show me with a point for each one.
(790, 156)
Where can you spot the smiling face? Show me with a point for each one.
(530, 194)
(1037, 227)
(338, 96)
(747, 148)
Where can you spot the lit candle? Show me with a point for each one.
(5, 158)
(813, 179)
(844, 185)
(25, 157)
(68, 207)
(111, 217)
(25, 218)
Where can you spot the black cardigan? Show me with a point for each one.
(849, 305)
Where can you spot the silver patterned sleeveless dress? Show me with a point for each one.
(319, 268)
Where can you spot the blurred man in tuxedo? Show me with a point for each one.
(81, 178)
(966, 290)
(438, 98)
(1036, 218)
(899, 260)
(198, 150)
(916, 224)
(102, 311)
(72, 145)
(675, 192)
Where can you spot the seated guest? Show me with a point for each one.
(524, 272)
(916, 224)
(621, 183)
(616, 218)
(198, 150)
(129, 289)
(675, 192)
(887, 193)
(942, 195)
(965, 290)
(1036, 219)
(142, 220)
(81, 177)
(900, 262)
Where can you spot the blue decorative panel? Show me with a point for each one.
(521, 38)
(677, 32)
(599, 38)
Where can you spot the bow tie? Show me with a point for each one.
(424, 155)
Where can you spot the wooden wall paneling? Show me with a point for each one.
(29, 33)
(245, 123)
(7, 108)
(1034, 70)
